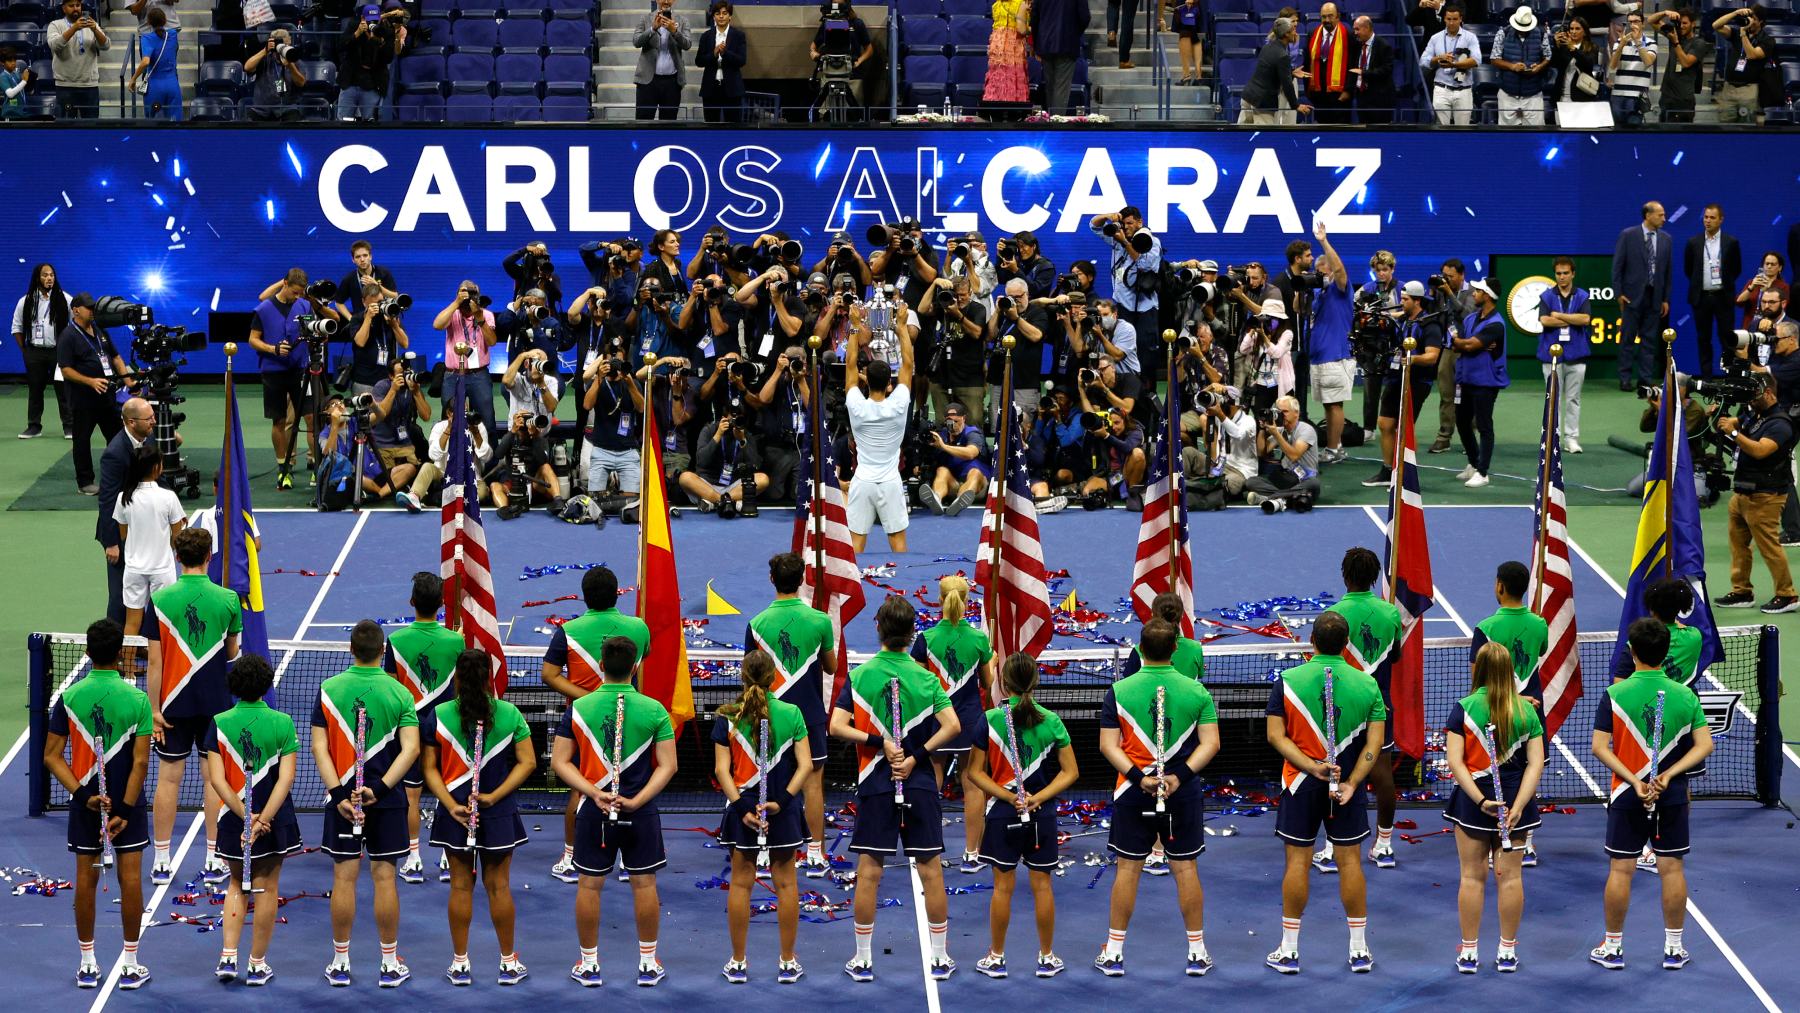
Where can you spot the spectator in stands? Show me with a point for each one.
(1128, 16)
(1766, 278)
(1190, 29)
(13, 81)
(1005, 86)
(76, 43)
(438, 450)
(1373, 74)
(1683, 78)
(1289, 469)
(1746, 53)
(720, 57)
(367, 53)
(39, 317)
(1712, 261)
(1427, 16)
(1019, 259)
(1272, 82)
(1577, 63)
(377, 340)
(963, 464)
(154, 76)
(142, 9)
(468, 321)
(1447, 59)
(1632, 67)
(1328, 68)
(1057, 28)
(1564, 319)
(1296, 62)
(660, 37)
(275, 78)
(1521, 53)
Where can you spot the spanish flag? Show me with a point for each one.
(234, 562)
(664, 677)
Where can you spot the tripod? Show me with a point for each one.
(836, 101)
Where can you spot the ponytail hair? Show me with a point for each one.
(1019, 677)
(1493, 677)
(758, 677)
(954, 590)
(143, 465)
(474, 700)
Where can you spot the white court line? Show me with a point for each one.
(918, 898)
(1693, 908)
(199, 819)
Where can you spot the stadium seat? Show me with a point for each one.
(465, 66)
(1790, 80)
(427, 69)
(910, 8)
(419, 107)
(567, 108)
(927, 80)
(513, 68)
(1485, 81)
(527, 9)
(469, 108)
(437, 31)
(969, 36)
(566, 33)
(220, 77)
(967, 75)
(574, 8)
(470, 34)
(568, 68)
(1235, 72)
(321, 79)
(969, 8)
(23, 39)
(924, 36)
(210, 109)
(479, 14)
(436, 8)
(522, 108)
(518, 34)
(26, 12)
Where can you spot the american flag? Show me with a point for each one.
(1017, 602)
(826, 536)
(1552, 579)
(1163, 533)
(468, 584)
(1408, 567)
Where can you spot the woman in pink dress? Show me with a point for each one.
(1006, 82)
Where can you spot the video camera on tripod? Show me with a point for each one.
(158, 351)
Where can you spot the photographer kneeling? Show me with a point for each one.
(522, 469)
(1115, 448)
(438, 447)
(394, 414)
(727, 456)
(1763, 439)
(963, 469)
(1289, 473)
(1226, 442)
(336, 475)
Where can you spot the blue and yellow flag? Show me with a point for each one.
(234, 558)
(1669, 542)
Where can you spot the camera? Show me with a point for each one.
(1268, 417)
(742, 370)
(1003, 304)
(394, 307)
(316, 327)
(1093, 422)
(321, 291)
(154, 342)
(1374, 333)
(960, 252)
(535, 314)
(1204, 399)
(481, 301)
(360, 403)
(1436, 281)
(1007, 249)
(285, 52)
(540, 422)
(117, 311)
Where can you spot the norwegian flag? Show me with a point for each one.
(824, 536)
(1408, 567)
(468, 584)
(1552, 579)
(1162, 550)
(1017, 602)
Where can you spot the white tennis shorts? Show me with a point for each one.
(871, 501)
(138, 586)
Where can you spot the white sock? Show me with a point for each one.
(646, 953)
(815, 851)
(87, 953)
(1469, 947)
(940, 940)
(1290, 935)
(508, 959)
(162, 854)
(1671, 940)
(340, 953)
(227, 954)
(412, 848)
(1115, 942)
(460, 960)
(1507, 946)
(865, 941)
(1384, 837)
(590, 956)
(212, 853)
(1197, 943)
(390, 954)
(1615, 941)
(130, 954)
(1358, 926)
(568, 853)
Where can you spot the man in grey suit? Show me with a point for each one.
(1640, 278)
(660, 38)
(115, 464)
(1272, 80)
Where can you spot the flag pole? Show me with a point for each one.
(1394, 476)
(1173, 438)
(814, 520)
(645, 451)
(1004, 409)
(1672, 432)
(453, 605)
(224, 501)
(1551, 391)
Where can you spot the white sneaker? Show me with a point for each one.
(1254, 499)
(1571, 446)
(1476, 481)
(443, 867)
(1465, 474)
(412, 870)
(564, 870)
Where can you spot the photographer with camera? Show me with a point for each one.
(1225, 448)
(1201, 363)
(842, 257)
(1563, 315)
(377, 340)
(727, 454)
(614, 404)
(968, 258)
(963, 466)
(709, 318)
(1332, 367)
(345, 422)
(1296, 286)
(718, 255)
(531, 324)
(76, 41)
(1103, 331)
(363, 273)
(1447, 59)
(365, 54)
(613, 268)
(962, 346)
(94, 373)
(843, 40)
(437, 449)
(275, 79)
(1053, 450)
(399, 406)
(531, 269)
(1136, 266)
(773, 308)
(878, 428)
(290, 333)
(1771, 310)
(1106, 387)
(531, 384)
(1696, 419)
(1479, 379)
(1019, 259)
(1114, 444)
(651, 324)
(1762, 439)
(1747, 51)
(468, 321)
(781, 404)
(1014, 314)
(1450, 287)
(522, 469)
(1288, 475)
(1427, 331)
(1269, 343)
(1688, 51)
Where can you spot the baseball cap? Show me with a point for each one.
(82, 299)
(1416, 289)
(956, 408)
(818, 278)
(842, 238)
(1483, 286)
(1209, 266)
(371, 12)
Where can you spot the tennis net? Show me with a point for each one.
(1740, 694)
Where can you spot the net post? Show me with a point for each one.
(1768, 717)
(37, 650)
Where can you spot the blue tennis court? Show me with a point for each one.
(1741, 883)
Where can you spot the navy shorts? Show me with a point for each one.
(282, 840)
(1462, 811)
(818, 724)
(1629, 826)
(974, 726)
(84, 829)
(496, 835)
(384, 835)
(1300, 814)
(598, 847)
(185, 735)
(415, 778)
(1136, 828)
(878, 824)
(787, 828)
(1033, 844)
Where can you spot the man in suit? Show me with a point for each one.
(720, 57)
(1640, 277)
(1057, 28)
(1712, 262)
(1272, 80)
(1327, 67)
(1372, 75)
(660, 37)
(115, 463)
